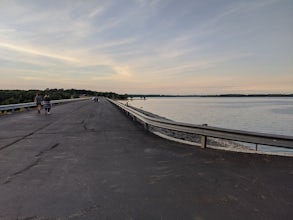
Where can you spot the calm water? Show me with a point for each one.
(265, 114)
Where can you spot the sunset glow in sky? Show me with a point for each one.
(148, 46)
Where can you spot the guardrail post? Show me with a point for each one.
(203, 141)
(146, 126)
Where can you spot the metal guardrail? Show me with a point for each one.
(33, 104)
(208, 131)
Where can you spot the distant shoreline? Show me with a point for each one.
(221, 95)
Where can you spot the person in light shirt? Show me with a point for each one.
(47, 104)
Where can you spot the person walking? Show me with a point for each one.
(38, 101)
(47, 104)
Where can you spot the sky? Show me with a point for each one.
(148, 46)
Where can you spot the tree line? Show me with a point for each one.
(23, 96)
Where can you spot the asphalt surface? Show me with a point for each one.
(90, 161)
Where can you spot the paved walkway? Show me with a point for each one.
(89, 161)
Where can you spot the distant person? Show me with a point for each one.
(38, 101)
(47, 104)
(95, 99)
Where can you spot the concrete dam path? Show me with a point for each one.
(88, 160)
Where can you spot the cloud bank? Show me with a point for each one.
(138, 46)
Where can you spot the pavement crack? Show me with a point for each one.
(84, 212)
(9, 179)
(47, 150)
(20, 139)
(88, 129)
(79, 213)
(33, 164)
(32, 218)
(54, 146)
(24, 137)
(28, 218)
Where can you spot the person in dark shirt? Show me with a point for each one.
(38, 101)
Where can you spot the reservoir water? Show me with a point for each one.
(272, 115)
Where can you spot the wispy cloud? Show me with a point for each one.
(151, 3)
(37, 52)
(7, 30)
(115, 43)
(96, 12)
(240, 8)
